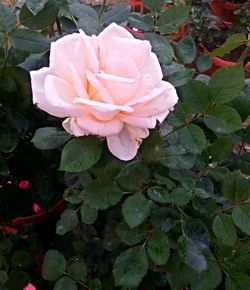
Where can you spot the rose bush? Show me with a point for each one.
(108, 85)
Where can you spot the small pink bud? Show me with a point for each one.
(24, 184)
(30, 287)
(36, 208)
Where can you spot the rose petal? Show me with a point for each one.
(117, 38)
(103, 111)
(153, 69)
(125, 144)
(120, 65)
(100, 89)
(37, 84)
(154, 93)
(100, 128)
(147, 122)
(76, 49)
(30, 287)
(78, 83)
(162, 103)
(60, 96)
(121, 89)
(72, 127)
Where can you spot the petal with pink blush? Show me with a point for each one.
(141, 122)
(62, 52)
(72, 127)
(154, 93)
(138, 50)
(113, 30)
(121, 89)
(60, 97)
(161, 104)
(78, 83)
(102, 91)
(103, 111)
(103, 107)
(152, 68)
(30, 287)
(120, 65)
(100, 128)
(37, 84)
(74, 49)
(125, 144)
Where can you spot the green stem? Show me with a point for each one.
(102, 8)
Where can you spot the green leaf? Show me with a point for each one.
(161, 47)
(130, 267)
(88, 215)
(8, 140)
(179, 161)
(49, 138)
(7, 18)
(171, 19)
(118, 14)
(54, 265)
(96, 284)
(241, 217)
(233, 41)
(21, 259)
(80, 154)
(5, 246)
(164, 219)
(244, 162)
(89, 26)
(175, 267)
(88, 19)
(180, 196)
(154, 5)
(196, 96)
(44, 18)
(208, 279)
(78, 271)
(28, 40)
(135, 209)
(129, 236)
(133, 176)
(180, 78)
(141, 21)
(237, 281)
(17, 280)
(101, 194)
(221, 149)
(193, 138)
(151, 147)
(65, 283)
(224, 229)
(226, 84)
(186, 50)
(68, 221)
(196, 230)
(192, 254)
(3, 278)
(3, 167)
(204, 62)
(158, 194)
(35, 6)
(236, 187)
(223, 119)
(158, 248)
(235, 259)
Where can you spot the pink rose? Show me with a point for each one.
(30, 287)
(108, 85)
